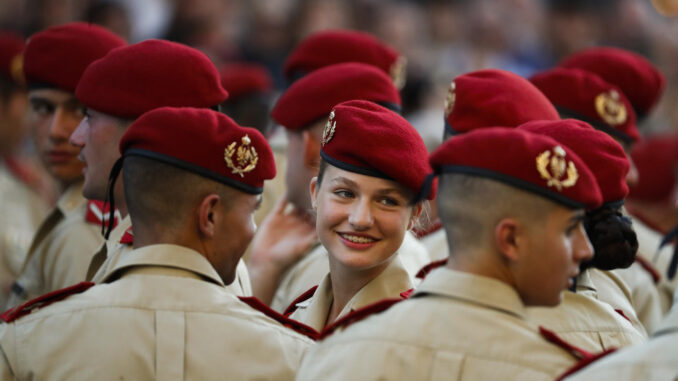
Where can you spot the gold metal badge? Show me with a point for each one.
(449, 101)
(328, 131)
(552, 168)
(398, 72)
(610, 107)
(16, 69)
(246, 156)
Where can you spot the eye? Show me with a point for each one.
(343, 193)
(42, 108)
(389, 201)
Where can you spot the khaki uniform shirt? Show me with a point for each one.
(241, 286)
(61, 250)
(390, 283)
(163, 314)
(655, 360)
(645, 297)
(456, 326)
(612, 290)
(586, 322)
(436, 245)
(21, 212)
(309, 271)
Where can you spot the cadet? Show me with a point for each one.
(515, 234)
(582, 319)
(585, 96)
(116, 90)
(54, 61)
(163, 311)
(365, 201)
(286, 237)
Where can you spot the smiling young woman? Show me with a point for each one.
(366, 196)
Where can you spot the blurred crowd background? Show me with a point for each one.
(440, 38)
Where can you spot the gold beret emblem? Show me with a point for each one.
(449, 100)
(610, 107)
(246, 156)
(16, 69)
(398, 72)
(328, 131)
(552, 167)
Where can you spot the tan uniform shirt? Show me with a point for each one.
(612, 290)
(586, 322)
(309, 271)
(21, 212)
(164, 315)
(456, 326)
(645, 297)
(655, 360)
(241, 286)
(436, 245)
(61, 250)
(390, 283)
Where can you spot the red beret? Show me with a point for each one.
(637, 77)
(155, 73)
(313, 96)
(603, 155)
(11, 62)
(488, 98)
(58, 56)
(337, 46)
(389, 147)
(205, 142)
(532, 162)
(583, 95)
(656, 160)
(245, 78)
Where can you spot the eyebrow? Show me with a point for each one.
(579, 217)
(381, 192)
(341, 179)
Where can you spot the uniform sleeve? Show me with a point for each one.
(8, 353)
(69, 254)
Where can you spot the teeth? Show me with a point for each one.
(357, 239)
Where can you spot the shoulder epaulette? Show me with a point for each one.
(581, 364)
(421, 274)
(305, 296)
(358, 315)
(44, 300)
(287, 322)
(578, 353)
(128, 237)
(647, 266)
(97, 213)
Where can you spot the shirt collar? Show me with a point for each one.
(471, 288)
(166, 255)
(71, 198)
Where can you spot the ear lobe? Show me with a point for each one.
(208, 215)
(313, 187)
(416, 213)
(311, 150)
(507, 240)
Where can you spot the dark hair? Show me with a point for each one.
(614, 242)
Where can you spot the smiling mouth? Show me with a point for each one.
(357, 238)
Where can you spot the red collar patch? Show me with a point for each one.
(287, 322)
(128, 237)
(98, 213)
(44, 300)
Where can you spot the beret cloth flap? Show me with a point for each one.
(366, 138)
(313, 96)
(532, 162)
(57, 57)
(205, 142)
(603, 155)
(155, 73)
(488, 98)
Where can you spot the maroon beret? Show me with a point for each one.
(205, 142)
(11, 61)
(313, 96)
(58, 56)
(336, 46)
(529, 161)
(155, 73)
(637, 77)
(389, 147)
(488, 98)
(656, 160)
(583, 95)
(603, 155)
(241, 78)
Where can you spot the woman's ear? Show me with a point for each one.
(208, 215)
(417, 209)
(313, 187)
(508, 239)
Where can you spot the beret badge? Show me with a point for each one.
(17, 69)
(552, 167)
(246, 157)
(328, 131)
(449, 101)
(610, 108)
(398, 72)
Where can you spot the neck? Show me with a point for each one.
(120, 200)
(480, 264)
(347, 282)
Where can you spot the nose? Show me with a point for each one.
(78, 136)
(62, 125)
(360, 216)
(582, 250)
